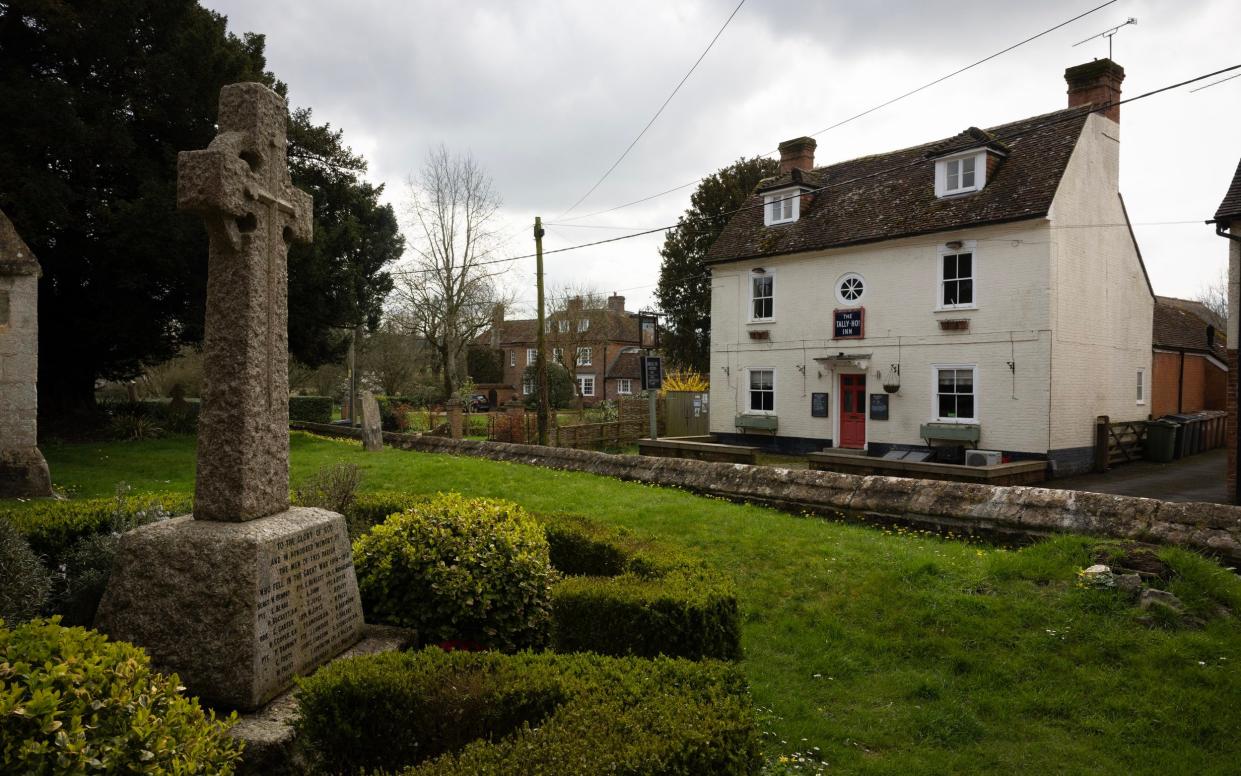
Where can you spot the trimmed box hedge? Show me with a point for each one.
(626, 595)
(439, 713)
(622, 594)
(311, 409)
(53, 527)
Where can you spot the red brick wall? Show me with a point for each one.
(1203, 388)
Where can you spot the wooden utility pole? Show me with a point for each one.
(540, 361)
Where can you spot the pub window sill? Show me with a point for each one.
(955, 307)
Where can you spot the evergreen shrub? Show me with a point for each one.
(71, 702)
(625, 595)
(310, 409)
(53, 527)
(461, 568)
(24, 581)
(451, 713)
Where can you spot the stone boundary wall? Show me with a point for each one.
(1010, 513)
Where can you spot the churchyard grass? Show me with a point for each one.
(875, 651)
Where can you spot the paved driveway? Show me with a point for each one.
(1195, 478)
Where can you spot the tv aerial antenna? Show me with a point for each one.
(1109, 34)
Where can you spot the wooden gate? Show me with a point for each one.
(686, 414)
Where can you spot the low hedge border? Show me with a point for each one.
(625, 595)
(311, 409)
(53, 527)
(621, 594)
(439, 713)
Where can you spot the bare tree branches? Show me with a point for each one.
(448, 300)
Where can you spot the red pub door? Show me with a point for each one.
(852, 411)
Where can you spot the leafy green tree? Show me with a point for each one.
(96, 99)
(561, 387)
(684, 290)
(337, 281)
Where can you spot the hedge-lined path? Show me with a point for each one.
(876, 651)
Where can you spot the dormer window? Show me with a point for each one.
(781, 207)
(961, 174)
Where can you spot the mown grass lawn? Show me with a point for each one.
(874, 651)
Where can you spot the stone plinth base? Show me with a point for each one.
(24, 474)
(237, 610)
(269, 735)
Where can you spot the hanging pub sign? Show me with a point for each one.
(879, 406)
(652, 373)
(848, 323)
(818, 405)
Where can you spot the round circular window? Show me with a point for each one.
(849, 288)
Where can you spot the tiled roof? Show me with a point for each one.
(893, 195)
(625, 365)
(620, 327)
(1182, 324)
(1231, 206)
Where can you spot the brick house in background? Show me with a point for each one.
(1228, 224)
(980, 290)
(599, 346)
(1189, 371)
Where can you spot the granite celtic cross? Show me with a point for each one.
(240, 185)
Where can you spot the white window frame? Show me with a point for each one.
(935, 394)
(624, 386)
(512, 357)
(562, 327)
(558, 355)
(532, 355)
(749, 390)
(527, 386)
(582, 382)
(1141, 385)
(850, 276)
(583, 325)
(941, 173)
(967, 246)
(782, 207)
(754, 276)
(585, 357)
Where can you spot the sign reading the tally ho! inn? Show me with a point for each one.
(848, 323)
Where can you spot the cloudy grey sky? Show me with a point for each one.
(547, 94)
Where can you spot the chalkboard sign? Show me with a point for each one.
(818, 405)
(848, 324)
(879, 406)
(652, 373)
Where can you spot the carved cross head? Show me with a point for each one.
(240, 182)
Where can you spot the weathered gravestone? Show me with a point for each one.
(372, 424)
(23, 471)
(247, 592)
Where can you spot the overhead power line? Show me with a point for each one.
(867, 112)
(681, 83)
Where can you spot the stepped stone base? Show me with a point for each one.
(237, 610)
(24, 474)
(268, 732)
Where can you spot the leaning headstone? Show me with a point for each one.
(372, 424)
(246, 593)
(23, 471)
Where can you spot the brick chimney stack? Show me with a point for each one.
(797, 154)
(1096, 83)
(616, 303)
(497, 323)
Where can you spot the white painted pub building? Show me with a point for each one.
(983, 291)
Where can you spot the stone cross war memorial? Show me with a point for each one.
(248, 592)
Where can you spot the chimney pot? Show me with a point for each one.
(1096, 83)
(616, 303)
(797, 154)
